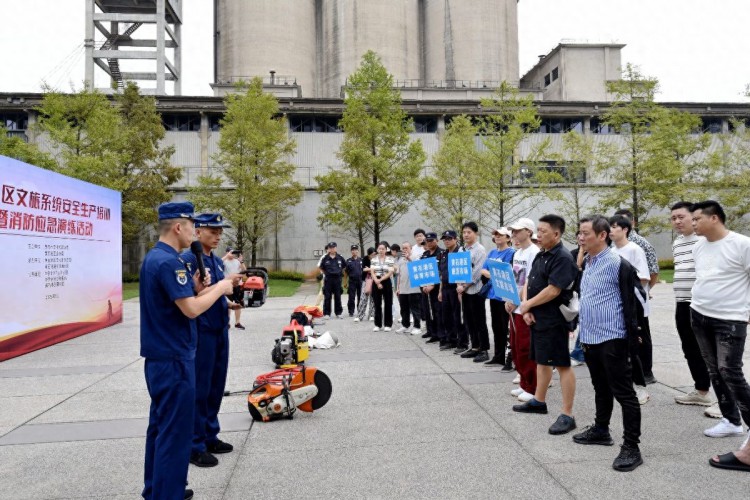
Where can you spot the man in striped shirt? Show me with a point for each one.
(684, 277)
(603, 333)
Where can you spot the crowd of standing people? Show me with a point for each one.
(601, 289)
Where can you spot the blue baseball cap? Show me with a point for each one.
(449, 234)
(210, 220)
(430, 236)
(181, 210)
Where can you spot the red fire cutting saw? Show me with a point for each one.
(280, 393)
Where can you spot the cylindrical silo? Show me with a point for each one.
(352, 27)
(257, 36)
(471, 41)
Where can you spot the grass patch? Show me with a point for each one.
(278, 288)
(283, 288)
(666, 275)
(129, 290)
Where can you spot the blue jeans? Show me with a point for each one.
(577, 352)
(722, 344)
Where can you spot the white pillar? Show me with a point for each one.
(88, 43)
(161, 63)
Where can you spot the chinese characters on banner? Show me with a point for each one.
(423, 272)
(503, 281)
(459, 267)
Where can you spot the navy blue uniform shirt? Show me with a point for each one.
(443, 267)
(354, 268)
(216, 318)
(166, 333)
(333, 266)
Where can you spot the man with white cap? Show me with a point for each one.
(520, 332)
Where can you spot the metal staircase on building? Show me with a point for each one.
(114, 63)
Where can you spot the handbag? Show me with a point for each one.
(570, 310)
(368, 285)
(485, 290)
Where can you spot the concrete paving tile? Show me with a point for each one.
(88, 406)
(15, 411)
(446, 470)
(58, 370)
(120, 381)
(72, 470)
(378, 368)
(5, 430)
(344, 355)
(345, 425)
(39, 386)
(214, 478)
(669, 477)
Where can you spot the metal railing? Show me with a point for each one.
(274, 79)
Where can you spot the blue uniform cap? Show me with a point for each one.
(449, 234)
(210, 220)
(430, 236)
(182, 210)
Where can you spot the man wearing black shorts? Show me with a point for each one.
(550, 285)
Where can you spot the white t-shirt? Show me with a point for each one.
(232, 266)
(722, 278)
(416, 252)
(522, 260)
(637, 258)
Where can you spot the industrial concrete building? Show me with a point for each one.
(445, 56)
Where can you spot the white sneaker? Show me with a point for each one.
(575, 362)
(356, 320)
(516, 392)
(517, 380)
(387, 329)
(642, 394)
(327, 316)
(525, 396)
(402, 330)
(372, 318)
(339, 316)
(724, 429)
(416, 331)
(376, 329)
(694, 398)
(713, 411)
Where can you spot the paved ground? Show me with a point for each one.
(405, 421)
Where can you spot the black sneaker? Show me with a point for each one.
(494, 361)
(563, 425)
(188, 494)
(239, 326)
(447, 346)
(469, 353)
(219, 447)
(532, 406)
(460, 349)
(508, 367)
(432, 340)
(650, 379)
(204, 459)
(628, 459)
(481, 357)
(426, 335)
(594, 435)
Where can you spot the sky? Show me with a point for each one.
(697, 49)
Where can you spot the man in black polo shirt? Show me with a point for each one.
(332, 266)
(550, 285)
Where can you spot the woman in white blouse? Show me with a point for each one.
(382, 268)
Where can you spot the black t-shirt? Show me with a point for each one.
(551, 267)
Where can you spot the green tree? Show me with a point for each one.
(451, 191)
(579, 157)
(17, 148)
(114, 144)
(253, 183)
(380, 178)
(510, 119)
(658, 147)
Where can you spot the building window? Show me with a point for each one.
(425, 124)
(566, 174)
(739, 123)
(214, 122)
(560, 125)
(14, 121)
(181, 122)
(711, 125)
(555, 74)
(599, 127)
(311, 123)
(547, 80)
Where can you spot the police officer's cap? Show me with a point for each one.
(430, 236)
(181, 210)
(331, 245)
(354, 247)
(210, 220)
(449, 234)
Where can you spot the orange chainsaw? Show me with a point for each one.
(280, 393)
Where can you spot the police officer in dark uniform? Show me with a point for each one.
(454, 331)
(212, 353)
(168, 339)
(430, 302)
(354, 272)
(332, 266)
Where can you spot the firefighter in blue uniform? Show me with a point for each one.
(354, 272)
(168, 338)
(212, 352)
(332, 266)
